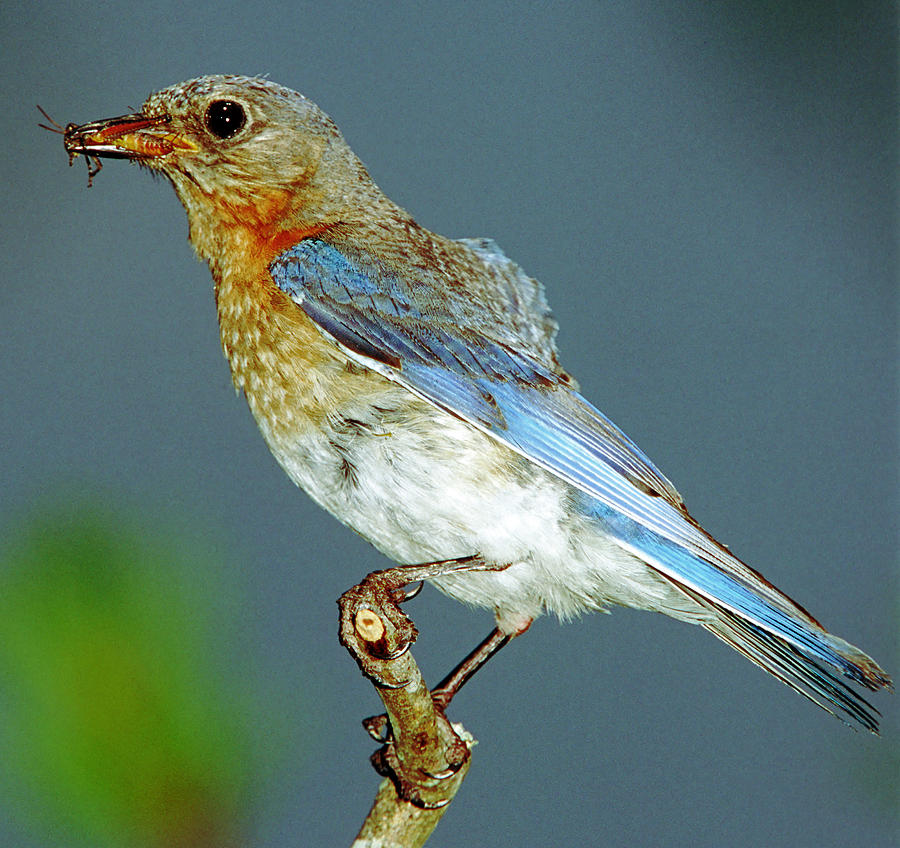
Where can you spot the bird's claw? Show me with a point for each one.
(379, 728)
(386, 762)
(373, 627)
(407, 592)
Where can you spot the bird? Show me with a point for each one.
(410, 383)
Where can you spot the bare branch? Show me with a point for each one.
(424, 758)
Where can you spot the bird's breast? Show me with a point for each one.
(292, 376)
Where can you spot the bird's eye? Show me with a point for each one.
(225, 118)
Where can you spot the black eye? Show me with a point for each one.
(225, 118)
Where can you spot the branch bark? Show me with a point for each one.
(424, 759)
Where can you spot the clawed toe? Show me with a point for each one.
(446, 773)
(378, 727)
(374, 628)
(408, 592)
(386, 763)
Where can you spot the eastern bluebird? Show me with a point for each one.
(410, 384)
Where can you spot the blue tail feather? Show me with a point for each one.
(782, 639)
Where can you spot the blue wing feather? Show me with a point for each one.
(374, 314)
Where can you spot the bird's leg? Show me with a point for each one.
(443, 693)
(377, 726)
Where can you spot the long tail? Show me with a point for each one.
(747, 612)
(793, 666)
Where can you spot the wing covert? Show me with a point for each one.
(420, 340)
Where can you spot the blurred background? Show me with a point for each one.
(709, 194)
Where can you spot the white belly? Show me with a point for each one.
(423, 486)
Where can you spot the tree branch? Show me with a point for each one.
(424, 758)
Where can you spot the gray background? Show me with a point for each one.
(708, 192)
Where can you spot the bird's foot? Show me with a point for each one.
(423, 788)
(373, 627)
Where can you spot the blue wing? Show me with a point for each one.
(402, 329)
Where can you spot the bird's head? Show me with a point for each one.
(242, 152)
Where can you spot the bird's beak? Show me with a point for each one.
(126, 137)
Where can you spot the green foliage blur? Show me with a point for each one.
(118, 723)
